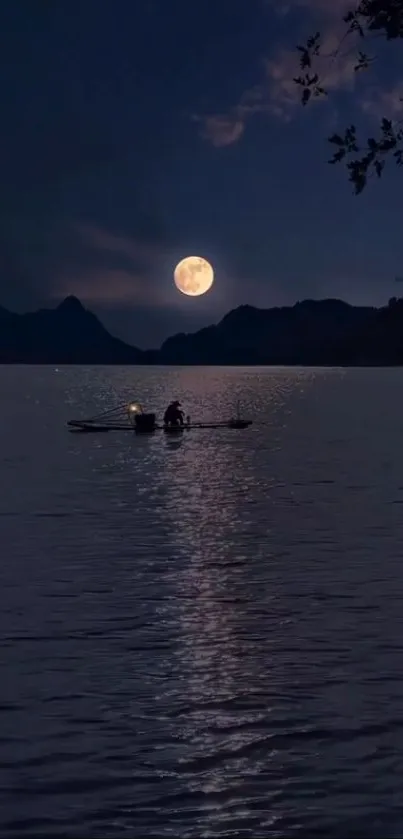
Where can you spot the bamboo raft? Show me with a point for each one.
(132, 418)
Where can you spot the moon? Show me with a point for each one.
(193, 276)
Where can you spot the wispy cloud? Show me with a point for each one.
(221, 129)
(114, 269)
(103, 240)
(275, 93)
(110, 286)
(379, 103)
(335, 70)
(225, 129)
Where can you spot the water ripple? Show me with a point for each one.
(202, 639)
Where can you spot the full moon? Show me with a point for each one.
(193, 276)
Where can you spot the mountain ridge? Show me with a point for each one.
(312, 332)
(66, 334)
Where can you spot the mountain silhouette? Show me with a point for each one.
(312, 332)
(69, 334)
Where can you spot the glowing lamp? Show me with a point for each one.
(133, 409)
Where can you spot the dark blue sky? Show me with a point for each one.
(136, 132)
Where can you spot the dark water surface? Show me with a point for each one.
(202, 637)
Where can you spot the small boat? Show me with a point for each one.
(131, 417)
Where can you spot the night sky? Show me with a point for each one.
(135, 132)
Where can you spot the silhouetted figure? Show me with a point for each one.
(173, 415)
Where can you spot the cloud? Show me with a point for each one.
(225, 129)
(114, 269)
(280, 94)
(134, 249)
(335, 70)
(221, 129)
(276, 93)
(111, 286)
(379, 103)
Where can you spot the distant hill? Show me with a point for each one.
(313, 332)
(69, 334)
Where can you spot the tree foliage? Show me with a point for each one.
(363, 158)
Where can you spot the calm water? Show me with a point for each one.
(204, 637)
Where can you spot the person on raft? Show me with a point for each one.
(173, 414)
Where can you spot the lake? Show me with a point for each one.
(202, 637)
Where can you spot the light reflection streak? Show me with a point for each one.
(213, 485)
(220, 677)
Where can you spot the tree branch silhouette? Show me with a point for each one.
(369, 20)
